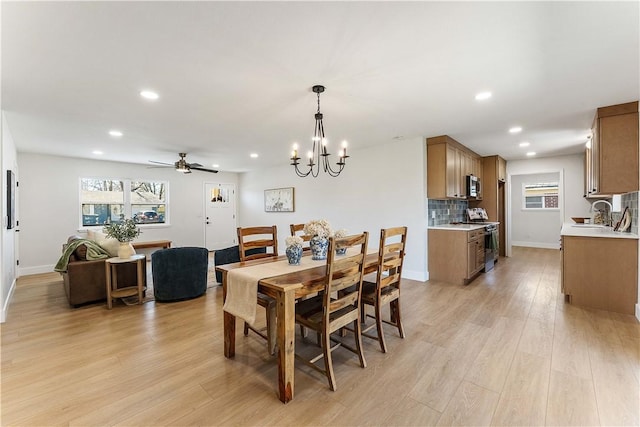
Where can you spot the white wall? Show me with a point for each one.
(49, 197)
(9, 237)
(573, 170)
(380, 187)
(533, 228)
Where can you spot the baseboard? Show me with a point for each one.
(7, 300)
(39, 269)
(538, 245)
(420, 276)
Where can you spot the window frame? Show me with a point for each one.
(127, 205)
(525, 186)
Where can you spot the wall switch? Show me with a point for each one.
(433, 214)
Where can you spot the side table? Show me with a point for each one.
(111, 276)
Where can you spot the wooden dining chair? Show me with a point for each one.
(386, 289)
(338, 305)
(261, 237)
(298, 230)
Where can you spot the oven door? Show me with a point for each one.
(490, 247)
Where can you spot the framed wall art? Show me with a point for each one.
(279, 200)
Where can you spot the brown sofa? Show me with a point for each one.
(84, 281)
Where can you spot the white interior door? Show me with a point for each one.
(220, 216)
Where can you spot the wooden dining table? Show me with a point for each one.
(285, 288)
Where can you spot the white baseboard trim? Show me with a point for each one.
(420, 276)
(638, 312)
(7, 301)
(539, 245)
(39, 269)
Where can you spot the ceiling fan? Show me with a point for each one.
(184, 167)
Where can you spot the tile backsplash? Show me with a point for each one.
(630, 200)
(447, 211)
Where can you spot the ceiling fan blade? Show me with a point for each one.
(161, 163)
(194, 165)
(204, 169)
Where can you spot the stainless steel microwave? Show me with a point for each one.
(473, 186)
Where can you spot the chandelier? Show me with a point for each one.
(318, 153)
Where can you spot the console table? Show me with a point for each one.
(162, 244)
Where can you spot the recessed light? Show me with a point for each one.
(149, 94)
(215, 166)
(524, 144)
(254, 155)
(97, 152)
(531, 153)
(115, 133)
(515, 129)
(483, 96)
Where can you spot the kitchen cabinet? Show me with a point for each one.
(494, 195)
(455, 256)
(611, 157)
(600, 272)
(502, 169)
(448, 163)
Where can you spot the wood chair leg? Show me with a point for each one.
(358, 335)
(395, 316)
(383, 344)
(328, 363)
(246, 329)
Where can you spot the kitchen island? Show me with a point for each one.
(600, 268)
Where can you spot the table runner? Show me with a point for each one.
(242, 284)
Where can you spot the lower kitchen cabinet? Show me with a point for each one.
(600, 272)
(455, 256)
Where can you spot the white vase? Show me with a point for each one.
(125, 250)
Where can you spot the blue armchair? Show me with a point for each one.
(179, 273)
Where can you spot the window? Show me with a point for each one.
(111, 200)
(540, 196)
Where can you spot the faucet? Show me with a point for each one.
(607, 221)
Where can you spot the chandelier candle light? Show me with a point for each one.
(319, 153)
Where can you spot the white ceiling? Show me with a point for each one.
(236, 77)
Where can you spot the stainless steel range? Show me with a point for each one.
(491, 240)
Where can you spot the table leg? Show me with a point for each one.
(139, 269)
(229, 322)
(107, 267)
(286, 343)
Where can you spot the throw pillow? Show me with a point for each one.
(110, 245)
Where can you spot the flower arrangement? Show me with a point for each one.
(318, 227)
(123, 231)
(293, 241)
(340, 233)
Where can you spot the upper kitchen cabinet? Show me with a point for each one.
(611, 158)
(448, 164)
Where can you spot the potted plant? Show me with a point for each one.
(124, 232)
(294, 249)
(319, 230)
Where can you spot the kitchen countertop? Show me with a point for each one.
(461, 227)
(592, 230)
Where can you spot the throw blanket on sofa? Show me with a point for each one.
(94, 251)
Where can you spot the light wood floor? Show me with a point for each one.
(504, 350)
